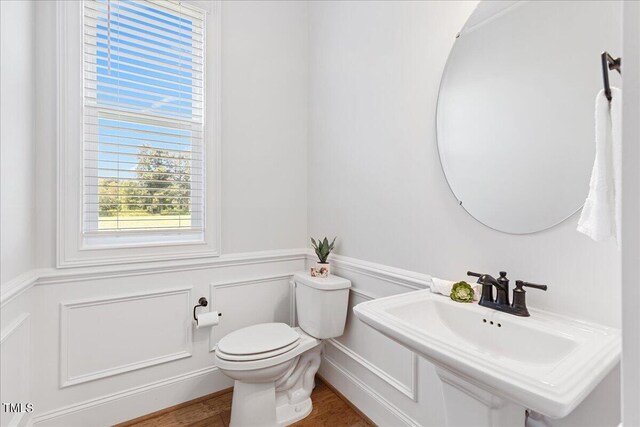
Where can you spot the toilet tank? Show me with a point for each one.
(321, 304)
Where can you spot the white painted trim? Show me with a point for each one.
(16, 286)
(66, 307)
(409, 279)
(380, 400)
(52, 276)
(213, 341)
(132, 392)
(363, 294)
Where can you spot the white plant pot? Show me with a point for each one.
(321, 269)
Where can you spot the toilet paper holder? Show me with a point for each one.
(202, 302)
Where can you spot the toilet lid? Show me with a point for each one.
(259, 341)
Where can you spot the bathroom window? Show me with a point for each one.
(143, 116)
(149, 120)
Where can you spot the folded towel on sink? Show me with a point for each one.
(441, 286)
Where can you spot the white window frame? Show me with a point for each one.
(74, 247)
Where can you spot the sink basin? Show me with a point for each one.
(547, 362)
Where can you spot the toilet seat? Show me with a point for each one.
(258, 356)
(247, 362)
(258, 342)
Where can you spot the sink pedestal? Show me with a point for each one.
(466, 404)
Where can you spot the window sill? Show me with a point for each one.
(136, 239)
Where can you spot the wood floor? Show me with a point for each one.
(329, 409)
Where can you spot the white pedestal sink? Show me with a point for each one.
(494, 365)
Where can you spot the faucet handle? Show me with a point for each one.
(502, 289)
(519, 297)
(520, 284)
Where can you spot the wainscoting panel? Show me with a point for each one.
(109, 336)
(249, 302)
(388, 360)
(114, 344)
(15, 346)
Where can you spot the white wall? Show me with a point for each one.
(264, 125)
(375, 180)
(17, 136)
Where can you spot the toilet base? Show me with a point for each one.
(253, 404)
(287, 414)
(281, 402)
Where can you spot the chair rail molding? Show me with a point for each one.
(52, 276)
(406, 278)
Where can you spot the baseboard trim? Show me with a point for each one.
(174, 408)
(71, 410)
(345, 400)
(374, 398)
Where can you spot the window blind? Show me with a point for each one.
(143, 116)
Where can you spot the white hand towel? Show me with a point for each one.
(601, 214)
(440, 286)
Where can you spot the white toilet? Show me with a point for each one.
(274, 365)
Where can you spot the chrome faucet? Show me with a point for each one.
(501, 302)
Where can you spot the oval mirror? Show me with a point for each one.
(515, 116)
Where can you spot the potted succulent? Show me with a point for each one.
(323, 248)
